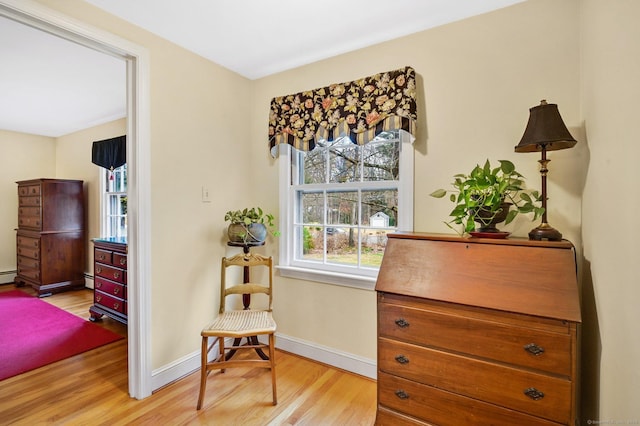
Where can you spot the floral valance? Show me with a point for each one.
(359, 109)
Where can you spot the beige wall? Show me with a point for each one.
(477, 80)
(22, 157)
(610, 67)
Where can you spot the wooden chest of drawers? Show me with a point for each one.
(476, 331)
(110, 280)
(50, 236)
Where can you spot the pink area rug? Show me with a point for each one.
(34, 333)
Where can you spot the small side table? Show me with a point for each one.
(246, 298)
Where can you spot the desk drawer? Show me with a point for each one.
(494, 383)
(534, 348)
(444, 408)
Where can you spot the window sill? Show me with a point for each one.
(345, 280)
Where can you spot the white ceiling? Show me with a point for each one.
(53, 87)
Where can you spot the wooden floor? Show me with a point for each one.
(91, 389)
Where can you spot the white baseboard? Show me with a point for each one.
(7, 277)
(188, 364)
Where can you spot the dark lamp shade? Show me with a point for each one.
(545, 129)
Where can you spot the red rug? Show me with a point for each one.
(34, 333)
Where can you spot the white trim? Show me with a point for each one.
(364, 278)
(326, 355)
(138, 147)
(345, 361)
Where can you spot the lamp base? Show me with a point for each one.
(545, 232)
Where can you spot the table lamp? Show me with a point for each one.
(545, 132)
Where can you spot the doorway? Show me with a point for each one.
(138, 147)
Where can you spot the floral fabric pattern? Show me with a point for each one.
(359, 109)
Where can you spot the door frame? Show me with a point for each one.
(139, 173)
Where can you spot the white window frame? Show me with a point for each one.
(289, 267)
(105, 213)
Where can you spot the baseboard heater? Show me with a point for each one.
(7, 277)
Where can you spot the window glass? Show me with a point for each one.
(115, 203)
(343, 200)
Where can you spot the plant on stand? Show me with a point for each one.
(250, 225)
(489, 196)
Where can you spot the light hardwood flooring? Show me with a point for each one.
(91, 389)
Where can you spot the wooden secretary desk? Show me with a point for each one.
(477, 331)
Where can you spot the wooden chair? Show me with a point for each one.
(239, 324)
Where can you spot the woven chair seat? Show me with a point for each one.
(241, 323)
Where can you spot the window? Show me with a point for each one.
(114, 203)
(339, 202)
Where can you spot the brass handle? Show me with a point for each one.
(116, 305)
(534, 393)
(98, 297)
(402, 394)
(98, 284)
(123, 261)
(534, 349)
(400, 322)
(102, 257)
(402, 359)
(98, 270)
(116, 275)
(116, 290)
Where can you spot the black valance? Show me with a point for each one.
(359, 109)
(110, 153)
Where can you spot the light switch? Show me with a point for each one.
(205, 195)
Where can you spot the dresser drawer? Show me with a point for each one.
(483, 337)
(120, 260)
(111, 273)
(29, 211)
(110, 287)
(495, 383)
(103, 256)
(110, 302)
(33, 253)
(27, 242)
(385, 417)
(437, 406)
(34, 222)
(24, 190)
(29, 201)
(28, 263)
(29, 273)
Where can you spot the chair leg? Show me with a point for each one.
(272, 360)
(203, 370)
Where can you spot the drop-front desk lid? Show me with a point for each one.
(512, 275)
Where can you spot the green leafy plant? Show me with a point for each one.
(251, 215)
(480, 196)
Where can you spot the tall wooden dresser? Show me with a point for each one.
(50, 244)
(477, 331)
(110, 279)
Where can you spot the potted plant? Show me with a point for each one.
(488, 196)
(249, 225)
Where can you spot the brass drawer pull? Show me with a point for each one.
(402, 359)
(116, 290)
(400, 322)
(98, 270)
(116, 275)
(123, 261)
(534, 393)
(534, 349)
(402, 394)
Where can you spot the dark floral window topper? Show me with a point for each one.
(359, 109)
